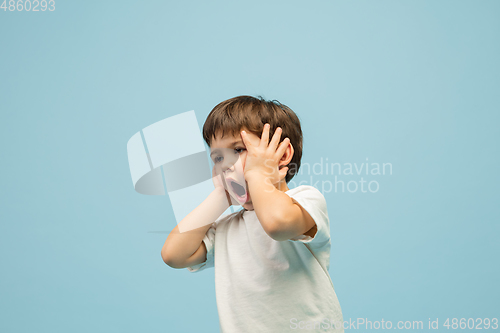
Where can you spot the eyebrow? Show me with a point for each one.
(233, 144)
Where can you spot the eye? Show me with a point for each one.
(239, 150)
(218, 159)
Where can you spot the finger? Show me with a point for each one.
(230, 199)
(249, 139)
(282, 148)
(264, 140)
(282, 172)
(244, 137)
(224, 181)
(275, 140)
(234, 202)
(215, 172)
(216, 179)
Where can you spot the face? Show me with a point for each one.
(228, 155)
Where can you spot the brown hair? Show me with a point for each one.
(231, 115)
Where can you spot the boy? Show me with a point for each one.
(271, 259)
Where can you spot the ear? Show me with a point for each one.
(287, 156)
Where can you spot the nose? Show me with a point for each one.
(228, 166)
(229, 162)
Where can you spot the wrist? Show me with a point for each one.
(220, 191)
(259, 181)
(254, 174)
(222, 196)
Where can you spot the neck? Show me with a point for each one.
(282, 185)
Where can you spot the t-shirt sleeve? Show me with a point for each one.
(209, 240)
(313, 201)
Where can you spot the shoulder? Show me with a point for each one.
(308, 192)
(304, 189)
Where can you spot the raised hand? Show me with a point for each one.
(263, 156)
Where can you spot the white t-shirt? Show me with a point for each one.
(264, 285)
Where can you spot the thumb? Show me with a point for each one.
(283, 171)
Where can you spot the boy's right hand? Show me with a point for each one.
(219, 182)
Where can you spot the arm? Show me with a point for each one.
(280, 217)
(183, 249)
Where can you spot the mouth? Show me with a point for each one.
(239, 191)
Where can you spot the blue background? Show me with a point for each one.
(412, 83)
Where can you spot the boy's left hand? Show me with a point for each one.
(263, 156)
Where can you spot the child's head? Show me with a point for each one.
(228, 118)
(232, 115)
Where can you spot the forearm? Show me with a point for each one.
(270, 204)
(187, 236)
